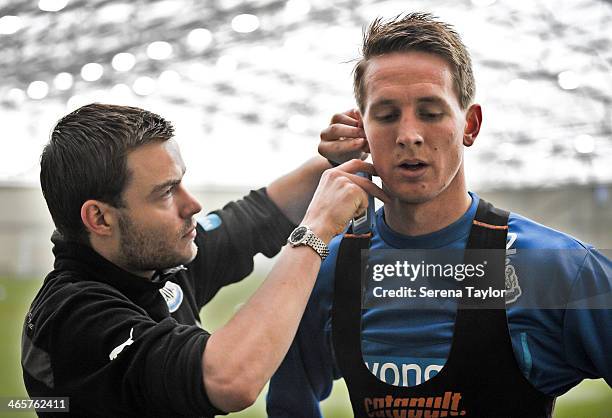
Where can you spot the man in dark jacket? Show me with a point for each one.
(115, 325)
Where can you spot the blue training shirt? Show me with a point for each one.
(555, 348)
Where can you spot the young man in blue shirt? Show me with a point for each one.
(415, 90)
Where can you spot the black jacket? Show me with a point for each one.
(119, 345)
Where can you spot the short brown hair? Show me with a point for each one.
(416, 32)
(86, 158)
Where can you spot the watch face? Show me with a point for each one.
(298, 234)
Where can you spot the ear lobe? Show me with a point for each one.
(472, 127)
(97, 217)
(366, 146)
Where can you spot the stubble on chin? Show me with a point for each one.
(404, 197)
(142, 250)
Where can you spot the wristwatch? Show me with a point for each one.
(302, 235)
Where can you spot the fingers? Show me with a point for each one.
(356, 114)
(344, 138)
(349, 117)
(340, 196)
(355, 165)
(344, 125)
(337, 131)
(369, 187)
(341, 147)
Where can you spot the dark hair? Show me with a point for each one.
(416, 32)
(86, 158)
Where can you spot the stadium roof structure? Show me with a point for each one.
(250, 83)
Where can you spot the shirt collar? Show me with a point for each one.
(456, 231)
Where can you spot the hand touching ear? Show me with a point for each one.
(344, 139)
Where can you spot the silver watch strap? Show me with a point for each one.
(318, 245)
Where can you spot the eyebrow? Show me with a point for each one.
(431, 99)
(425, 99)
(166, 184)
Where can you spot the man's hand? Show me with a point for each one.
(260, 333)
(341, 196)
(344, 139)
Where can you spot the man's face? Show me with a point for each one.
(414, 125)
(157, 228)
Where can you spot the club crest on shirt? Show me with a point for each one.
(173, 295)
(513, 288)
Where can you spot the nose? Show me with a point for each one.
(409, 132)
(190, 205)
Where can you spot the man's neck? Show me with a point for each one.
(424, 218)
(110, 254)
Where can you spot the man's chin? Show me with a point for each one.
(414, 199)
(410, 195)
(180, 259)
(190, 254)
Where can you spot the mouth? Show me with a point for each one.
(412, 169)
(413, 165)
(191, 233)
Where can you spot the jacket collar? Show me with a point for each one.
(84, 259)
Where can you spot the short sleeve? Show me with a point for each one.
(587, 326)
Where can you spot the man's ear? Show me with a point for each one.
(359, 117)
(98, 217)
(473, 119)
